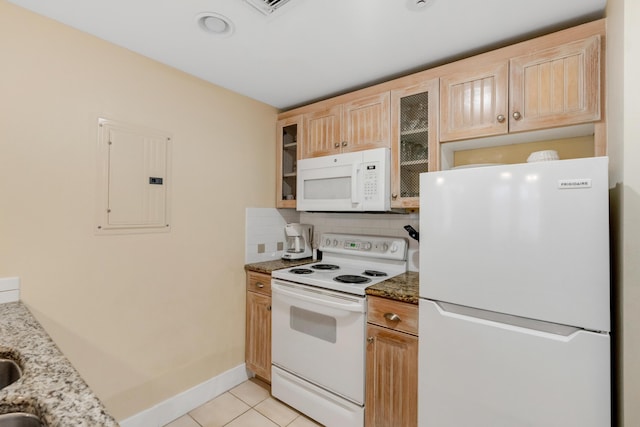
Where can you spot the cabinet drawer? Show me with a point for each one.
(259, 282)
(396, 315)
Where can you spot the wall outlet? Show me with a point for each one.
(280, 246)
(261, 248)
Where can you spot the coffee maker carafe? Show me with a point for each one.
(298, 241)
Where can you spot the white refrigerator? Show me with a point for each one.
(514, 296)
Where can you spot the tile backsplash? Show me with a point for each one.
(265, 238)
(264, 233)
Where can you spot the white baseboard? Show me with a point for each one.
(9, 289)
(178, 405)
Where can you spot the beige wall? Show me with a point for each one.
(624, 135)
(142, 317)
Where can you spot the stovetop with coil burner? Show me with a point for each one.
(351, 263)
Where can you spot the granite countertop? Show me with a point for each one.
(50, 387)
(403, 287)
(277, 264)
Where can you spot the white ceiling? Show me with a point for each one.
(311, 49)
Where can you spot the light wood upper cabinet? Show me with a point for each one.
(553, 87)
(414, 137)
(474, 101)
(323, 130)
(288, 140)
(351, 126)
(556, 87)
(366, 123)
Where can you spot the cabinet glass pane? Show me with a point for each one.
(414, 142)
(289, 157)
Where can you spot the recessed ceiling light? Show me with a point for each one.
(418, 4)
(215, 24)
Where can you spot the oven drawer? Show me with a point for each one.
(396, 315)
(259, 282)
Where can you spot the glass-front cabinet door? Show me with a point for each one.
(288, 135)
(414, 132)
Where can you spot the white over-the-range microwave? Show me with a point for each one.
(358, 181)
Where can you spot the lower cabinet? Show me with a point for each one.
(392, 364)
(258, 333)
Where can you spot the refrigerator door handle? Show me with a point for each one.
(539, 328)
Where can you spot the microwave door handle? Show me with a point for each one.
(355, 181)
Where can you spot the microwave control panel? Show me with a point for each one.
(371, 177)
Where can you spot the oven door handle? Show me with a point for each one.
(354, 306)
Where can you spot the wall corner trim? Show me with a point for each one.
(9, 289)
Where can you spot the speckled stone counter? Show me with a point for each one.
(277, 264)
(403, 287)
(50, 387)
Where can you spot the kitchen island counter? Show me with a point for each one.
(50, 387)
(403, 287)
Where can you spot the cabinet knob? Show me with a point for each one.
(500, 118)
(259, 285)
(516, 115)
(268, 308)
(337, 145)
(370, 340)
(392, 317)
(394, 196)
(344, 143)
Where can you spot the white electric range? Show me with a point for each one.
(318, 325)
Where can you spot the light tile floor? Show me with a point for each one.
(247, 405)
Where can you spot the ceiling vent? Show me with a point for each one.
(267, 7)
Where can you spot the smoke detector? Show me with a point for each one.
(215, 24)
(267, 7)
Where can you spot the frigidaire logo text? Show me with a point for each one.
(575, 183)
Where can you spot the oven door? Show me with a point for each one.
(319, 335)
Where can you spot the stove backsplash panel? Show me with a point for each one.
(264, 234)
(373, 224)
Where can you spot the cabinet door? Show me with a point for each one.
(288, 139)
(392, 378)
(365, 123)
(556, 87)
(323, 132)
(414, 130)
(474, 102)
(258, 335)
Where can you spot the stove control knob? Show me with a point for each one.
(366, 246)
(335, 242)
(394, 247)
(385, 247)
(327, 242)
